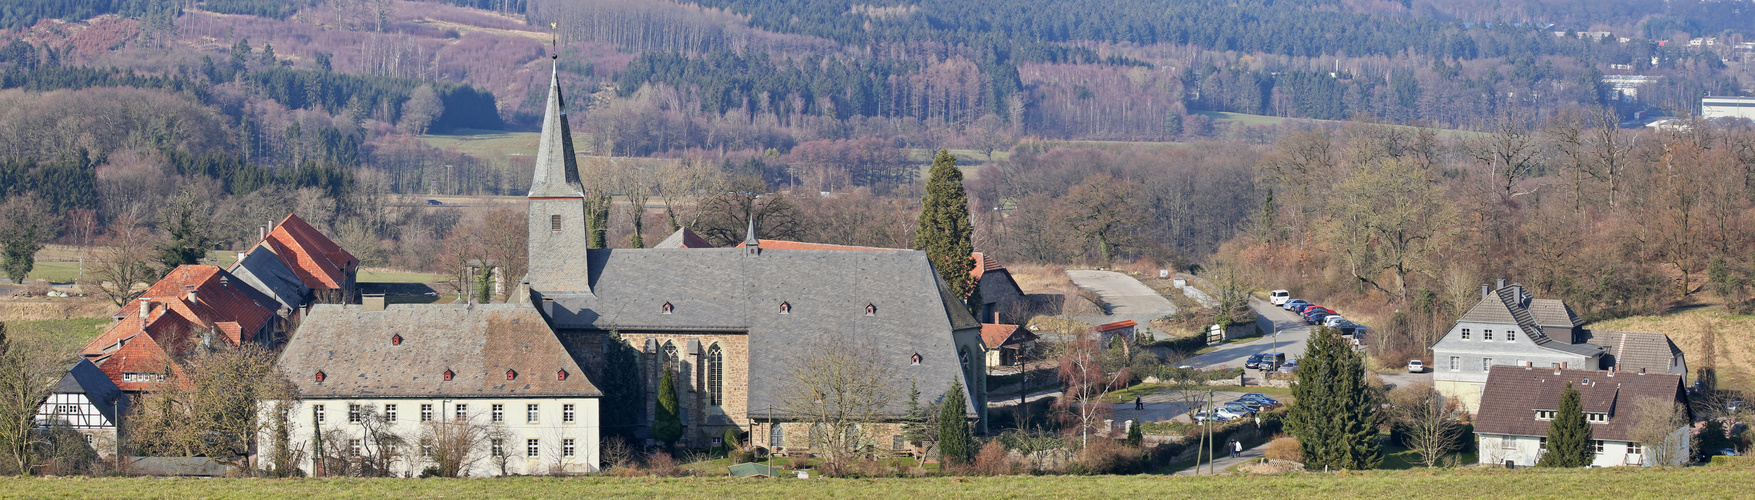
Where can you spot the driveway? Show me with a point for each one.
(1293, 334)
(1127, 297)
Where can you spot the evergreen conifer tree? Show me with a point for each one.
(1134, 435)
(945, 228)
(955, 444)
(666, 423)
(623, 396)
(1569, 437)
(1334, 415)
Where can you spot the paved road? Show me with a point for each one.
(1127, 297)
(1165, 406)
(1293, 334)
(1225, 461)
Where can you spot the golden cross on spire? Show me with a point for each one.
(554, 40)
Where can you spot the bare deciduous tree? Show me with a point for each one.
(1428, 419)
(1082, 370)
(840, 383)
(1656, 426)
(125, 262)
(451, 447)
(28, 367)
(213, 409)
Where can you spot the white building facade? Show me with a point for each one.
(1727, 107)
(510, 436)
(1524, 451)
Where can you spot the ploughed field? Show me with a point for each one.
(1695, 482)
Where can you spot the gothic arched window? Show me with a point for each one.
(670, 352)
(963, 356)
(715, 375)
(776, 437)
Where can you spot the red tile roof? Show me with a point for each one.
(222, 301)
(995, 335)
(174, 324)
(317, 260)
(1109, 327)
(983, 264)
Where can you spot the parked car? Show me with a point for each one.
(435, 202)
(1231, 413)
(1279, 297)
(1334, 321)
(1254, 361)
(1416, 366)
(1315, 315)
(1253, 406)
(1301, 308)
(1292, 305)
(1270, 361)
(1289, 366)
(1208, 415)
(1261, 398)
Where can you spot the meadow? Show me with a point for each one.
(1700, 482)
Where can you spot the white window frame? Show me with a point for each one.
(353, 413)
(1456, 363)
(1635, 449)
(390, 413)
(461, 412)
(1486, 364)
(531, 413)
(1465, 334)
(426, 412)
(321, 418)
(496, 447)
(1486, 335)
(532, 448)
(567, 447)
(1599, 446)
(499, 413)
(567, 413)
(1511, 335)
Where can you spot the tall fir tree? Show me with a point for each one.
(945, 228)
(1335, 413)
(955, 444)
(623, 396)
(666, 422)
(1569, 436)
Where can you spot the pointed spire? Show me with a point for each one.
(749, 238)
(557, 170)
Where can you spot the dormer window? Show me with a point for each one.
(448, 375)
(561, 375)
(1597, 418)
(320, 376)
(668, 308)
(511, 375)
(1544, 414)
(785, 308)
(915, 359)
(396, 339)
(871, 309)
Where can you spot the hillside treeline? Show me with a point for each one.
(1615, 222)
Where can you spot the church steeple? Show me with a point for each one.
(557, 170)
(558, 242)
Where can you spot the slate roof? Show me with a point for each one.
(1513, 394)
(478, 343)
(85, 378)
(317, 260)
(263, 270)
(1631, 352)
(740, 290)
(1511, 305)
(557, 169)
(684, 238)
(800, 245)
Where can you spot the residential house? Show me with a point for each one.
(328, 270)
(1006, 345)
(1000, 294)
(497, 368)
(193, 309)
(86, 402)
(1509, 326)
(1520, 402)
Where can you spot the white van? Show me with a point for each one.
(1279, 297)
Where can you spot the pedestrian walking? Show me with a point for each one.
(1138, 404)
(1236, 448)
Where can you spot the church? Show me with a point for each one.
(729, 323)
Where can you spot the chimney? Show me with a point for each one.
(261, 233)
(372, 302)
(1563, 365)
(1484, 291)
(240, 257)
(145, 307)
(996, 317)
(1501, 284)
(191, 296)
(1611, 371)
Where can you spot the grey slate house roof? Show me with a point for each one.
(356, 352)
(741, 289)
(1546, 322)
(264, 271)
(1513, 394)
(86, 378)
(1634, 352)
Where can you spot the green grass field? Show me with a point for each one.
(1619, 482)
(59, 271)
(492, 145)
(74, 332)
